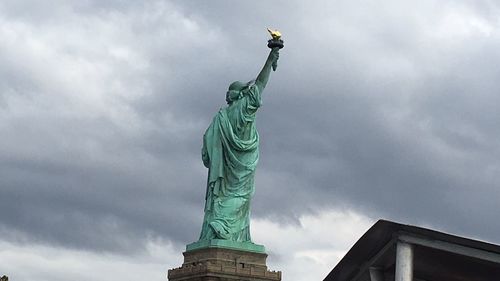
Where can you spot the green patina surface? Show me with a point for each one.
(231, 152)
(226, 244)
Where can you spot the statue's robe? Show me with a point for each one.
(231, 152)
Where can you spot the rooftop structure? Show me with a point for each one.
(393, 251)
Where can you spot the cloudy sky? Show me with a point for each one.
(378, 109)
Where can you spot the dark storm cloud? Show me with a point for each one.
(388, 109)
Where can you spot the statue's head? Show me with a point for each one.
(235, 91)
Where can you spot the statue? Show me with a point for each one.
(231, 152)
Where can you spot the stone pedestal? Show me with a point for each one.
(222, 264)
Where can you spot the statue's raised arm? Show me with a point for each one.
(275, 44)
(271, 62)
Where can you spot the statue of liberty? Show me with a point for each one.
(231, 152)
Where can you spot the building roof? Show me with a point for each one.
(437, 255)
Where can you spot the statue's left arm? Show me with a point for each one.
(263, 76)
